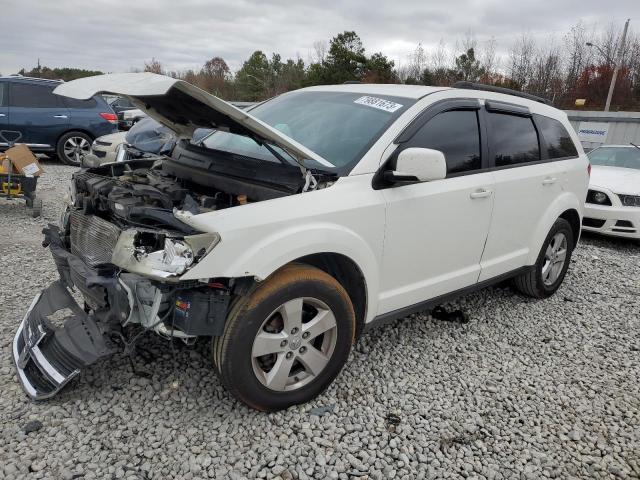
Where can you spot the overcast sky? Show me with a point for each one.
(116, 36)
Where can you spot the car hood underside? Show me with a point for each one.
(183, 108)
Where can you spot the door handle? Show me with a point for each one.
(60, 116)
(2, 115)
(549, 181)
(481, 193)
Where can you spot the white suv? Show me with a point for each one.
(297, 225)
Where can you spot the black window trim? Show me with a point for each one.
(419, 121)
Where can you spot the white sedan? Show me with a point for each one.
(613, 200)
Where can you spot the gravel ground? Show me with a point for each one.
(526, 389)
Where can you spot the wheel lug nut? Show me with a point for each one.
(305, 335)
(294, 330)
(289, 355)
(302, 349)
(283, 343)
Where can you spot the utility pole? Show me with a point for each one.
(618, 61)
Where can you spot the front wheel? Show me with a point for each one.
(546, 276)
(286, 341)
(72, 147)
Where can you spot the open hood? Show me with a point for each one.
(183, 108)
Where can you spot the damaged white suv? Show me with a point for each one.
(295, 226)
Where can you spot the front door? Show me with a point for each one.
(436, 231)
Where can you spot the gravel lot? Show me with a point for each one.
(526, 389)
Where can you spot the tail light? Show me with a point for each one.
(589, 170)
(110, 117)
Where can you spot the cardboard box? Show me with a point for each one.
(24, 161)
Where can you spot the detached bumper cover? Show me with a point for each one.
(48, 356)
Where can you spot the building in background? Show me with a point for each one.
(597, 128)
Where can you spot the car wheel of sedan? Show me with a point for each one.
(547, 274)
(287, 340)
(72, 147)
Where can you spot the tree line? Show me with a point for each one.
(562, 71)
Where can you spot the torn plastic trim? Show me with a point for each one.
(167, 263)
(47, 356)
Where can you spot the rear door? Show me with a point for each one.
(37, 113)
(526, 183)
(435, 231)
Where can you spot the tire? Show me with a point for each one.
(540, 282)
(264, 321)
(72, 146)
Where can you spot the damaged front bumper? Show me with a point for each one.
(58, 337)
(47, 356)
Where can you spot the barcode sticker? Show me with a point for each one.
(379, 103)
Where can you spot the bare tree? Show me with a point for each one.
(521, 60)
(154, 66)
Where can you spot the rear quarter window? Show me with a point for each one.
(75, 103)
(558, 141)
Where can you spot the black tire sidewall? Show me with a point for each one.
(60, 147)
(563, 226)
(237, 369)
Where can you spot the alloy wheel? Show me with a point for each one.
(75, 148)
(554, 258)
(294, 344)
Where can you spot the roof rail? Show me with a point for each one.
(17, 75)
(506, 91)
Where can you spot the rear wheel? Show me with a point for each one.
(286, 341)
(546, 276)
(72, 147)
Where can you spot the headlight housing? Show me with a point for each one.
(598, 197)
(158, 256)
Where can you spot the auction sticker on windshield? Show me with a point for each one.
(379, 103)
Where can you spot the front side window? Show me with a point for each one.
(3, 94)
(558, 140)
(33, 96)
(456, 134)
(622, 157)
(514, 139)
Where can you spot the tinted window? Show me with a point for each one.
(514, 139)
(33, 96)
(3, 94)
(455, 134)
(75, 103)
(559, 143)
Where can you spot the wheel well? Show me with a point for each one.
(573, 218)
(345, 271)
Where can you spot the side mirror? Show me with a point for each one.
(418, 164)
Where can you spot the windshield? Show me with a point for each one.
(338, 126)
(624, 157)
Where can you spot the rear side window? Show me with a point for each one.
(514, 139)
(456, 134)
(75, 103)
(3, 94)
(559, 143)
(33, 96)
